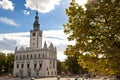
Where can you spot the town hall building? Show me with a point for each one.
(35, 61)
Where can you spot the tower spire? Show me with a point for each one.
(36, 24)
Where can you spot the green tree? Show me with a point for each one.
(6, 63)
(9, 65)
(96, 32)
(72, 65)
(2, 62)
(59, 67)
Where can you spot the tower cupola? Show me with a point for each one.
(36, 24)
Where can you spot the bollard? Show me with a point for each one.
(76, 79)
(32, 78)
(58, 78)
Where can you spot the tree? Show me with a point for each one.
(9, 65)
(72, 65)
(96, 32)
(6, 63)
(59, 67)
(2, 62)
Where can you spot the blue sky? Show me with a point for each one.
(17, 18)
(51, 20)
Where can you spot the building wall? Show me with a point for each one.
(42, 63)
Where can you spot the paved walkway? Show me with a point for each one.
(8, 78)
(11, 78)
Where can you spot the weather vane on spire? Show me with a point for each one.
(36, 7)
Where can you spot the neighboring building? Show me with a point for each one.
(35, 61)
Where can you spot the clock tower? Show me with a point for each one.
(36, 34)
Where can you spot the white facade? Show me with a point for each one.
(36, 39)
(35, 61)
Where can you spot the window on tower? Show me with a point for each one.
(34, 34)
(33, 38)
(33, 43)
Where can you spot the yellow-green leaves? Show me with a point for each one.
(95, 30)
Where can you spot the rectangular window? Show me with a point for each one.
(35, 65)
(23, 56)
(28, 66)
(27, 56)
(53, 64)
(17, 65)
(33, 43)
(34, 55)
(20, 56)
(40, 65)
(39, 55)
(31, 56)
(33, 38)
(22, 65)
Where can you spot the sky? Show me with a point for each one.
(17, 17)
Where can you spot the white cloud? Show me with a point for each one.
(8, 42)
(43, 6)
(81, 2)
(8, 21)
(6, 4)
(25, 12)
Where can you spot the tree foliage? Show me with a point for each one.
(72, 65)
(96, 32)
(2, 61)
(9, 63)
(59, 67)
(6, 62)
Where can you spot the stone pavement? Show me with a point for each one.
(11, 78)
(54, 78)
